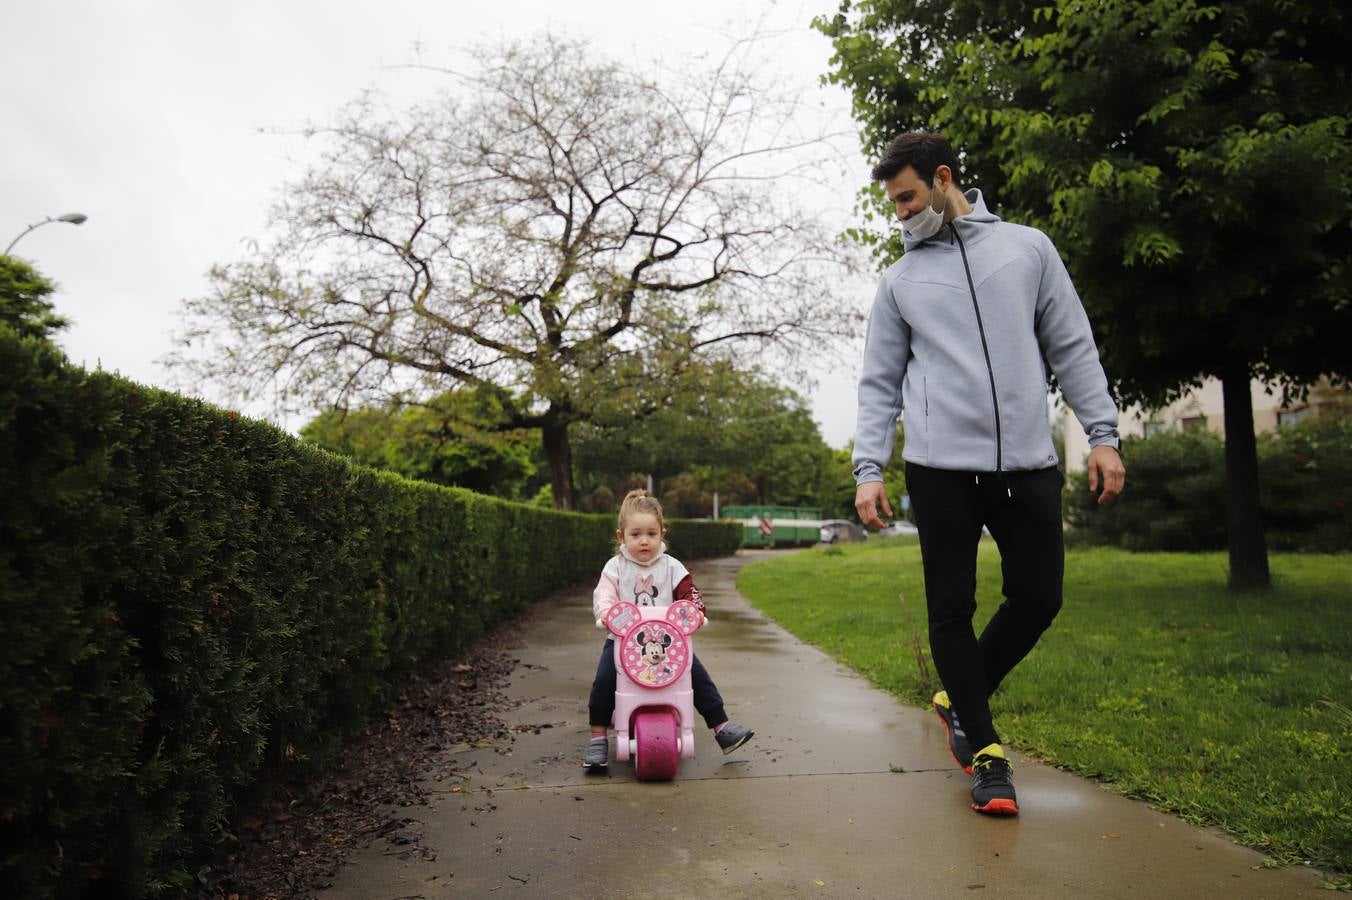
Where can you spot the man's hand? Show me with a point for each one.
(866, 498)
(1105, 463)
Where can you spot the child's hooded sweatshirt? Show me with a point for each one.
(659, 582)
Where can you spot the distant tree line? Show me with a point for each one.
(739, 434)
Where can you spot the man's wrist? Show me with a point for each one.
(866, 471)
(1106, 439)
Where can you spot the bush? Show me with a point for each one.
(1306, 476)
(194, 603)
(1176, 495)
(697, 539)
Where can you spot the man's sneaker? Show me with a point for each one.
(598, 752)
(958, 745)
(993, 783)
(731, 736)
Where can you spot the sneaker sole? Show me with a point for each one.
(948, 735)
(1000, 807)
(749, 736)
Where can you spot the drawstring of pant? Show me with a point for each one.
(1004, 481)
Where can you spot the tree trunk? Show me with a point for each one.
(559, 452)
(1248, 545)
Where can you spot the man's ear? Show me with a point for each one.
(947, 175)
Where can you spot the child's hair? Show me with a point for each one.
(641, 501)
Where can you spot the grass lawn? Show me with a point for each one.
(1228, 709)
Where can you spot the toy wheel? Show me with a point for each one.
(657, 751)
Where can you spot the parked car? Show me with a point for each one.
(838, 530)
(899, 527)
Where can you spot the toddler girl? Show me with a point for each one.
(642, 571)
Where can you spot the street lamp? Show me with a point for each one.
(72, 218)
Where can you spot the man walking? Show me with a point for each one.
(963, 331)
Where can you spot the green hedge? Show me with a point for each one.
(1175, 497)
(700, 539)
(195, 603)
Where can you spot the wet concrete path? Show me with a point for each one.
(844, 792)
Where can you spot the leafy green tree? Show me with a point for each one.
(1191, 161)
(839, 500)
(739, 434)
(23, 300)
(447, 441)
(562, 230)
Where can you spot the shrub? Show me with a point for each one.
(695, 539)
(1176, 495)
(193, 603)
(1306, 476)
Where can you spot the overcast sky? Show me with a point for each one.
(172, 126)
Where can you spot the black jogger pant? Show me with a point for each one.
(1022, 511)
(601, 706)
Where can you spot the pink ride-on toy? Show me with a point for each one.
(654, 703)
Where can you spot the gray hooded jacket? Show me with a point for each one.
(964, 330)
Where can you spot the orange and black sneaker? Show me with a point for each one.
(993, 783)
(958, 745)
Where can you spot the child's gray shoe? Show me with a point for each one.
(731, 736)
(598, 753)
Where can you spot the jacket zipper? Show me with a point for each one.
(985, 349)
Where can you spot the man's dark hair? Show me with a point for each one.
(924, 151)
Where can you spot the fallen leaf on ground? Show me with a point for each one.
(405, 744)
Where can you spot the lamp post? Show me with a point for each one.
(72, 218)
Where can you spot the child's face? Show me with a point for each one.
(641, 535)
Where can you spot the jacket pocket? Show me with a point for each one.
(961, 431)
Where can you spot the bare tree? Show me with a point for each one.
(559, 230)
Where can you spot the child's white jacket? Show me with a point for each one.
(658, 582)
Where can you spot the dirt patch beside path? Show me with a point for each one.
(295, 847)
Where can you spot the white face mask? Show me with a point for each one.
(926, 223)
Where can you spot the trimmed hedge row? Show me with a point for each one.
(192, 602)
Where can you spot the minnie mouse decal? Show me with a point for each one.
(653, 649)
(644, 595)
